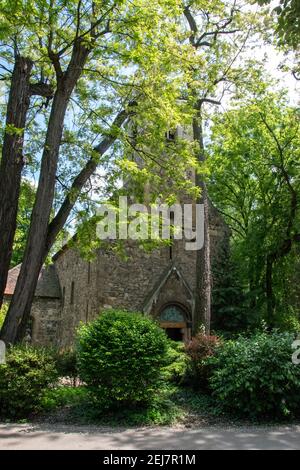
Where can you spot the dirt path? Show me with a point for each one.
(47, 436)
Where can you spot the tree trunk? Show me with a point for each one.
(62, 215)
(252, 276)
(202, 315)
(12, 162)
(35, 253)
(81, 179)
(269, 291)
(35, 248)
(59, 220)
(203, 274)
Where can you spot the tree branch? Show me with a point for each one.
(41, 89)
(54, 57)
(208, 100)
(68, 204)
(236, 221)
(192, 23)
(215, 34)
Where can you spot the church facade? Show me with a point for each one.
(160, 283)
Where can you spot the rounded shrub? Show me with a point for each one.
(255, 377)
(120, 357)
(23, 380)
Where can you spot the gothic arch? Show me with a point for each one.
(153, 296)
(185, 311)
(175, 319)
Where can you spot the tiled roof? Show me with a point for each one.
(48, 284)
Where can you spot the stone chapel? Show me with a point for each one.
(160, 284)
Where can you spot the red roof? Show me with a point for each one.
(47, 286)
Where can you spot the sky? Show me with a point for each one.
(274, 59)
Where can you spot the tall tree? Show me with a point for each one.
(254, 161)
(108, 60)
(105, 60)
(12, 160)
(218, 32)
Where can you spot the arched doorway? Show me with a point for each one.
(174, 319)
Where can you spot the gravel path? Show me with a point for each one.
(47, 436)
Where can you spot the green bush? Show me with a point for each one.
(288, 321)
(66, 364)
(199, 349)
(177, 363)
(120, 358)
(23, 380)
(255, 376)
(63, 396)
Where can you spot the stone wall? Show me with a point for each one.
(110, 281)
(45, 317)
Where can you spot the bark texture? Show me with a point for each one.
(35, 253)
(42, 233)
(202, 315)
(12, 162)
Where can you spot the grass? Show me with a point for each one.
(63, 396)
(173, 404)
(80, 408)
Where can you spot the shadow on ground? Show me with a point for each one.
(95, 438)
